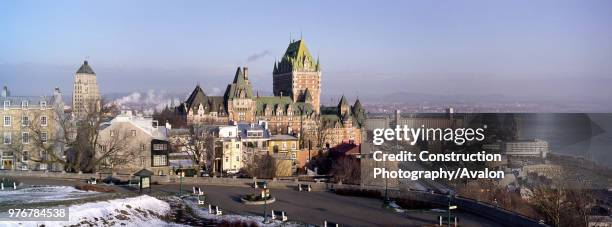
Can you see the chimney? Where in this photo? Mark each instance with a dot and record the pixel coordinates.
(246, 72)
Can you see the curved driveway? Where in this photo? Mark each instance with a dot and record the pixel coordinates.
(315, 207)
(307, 207)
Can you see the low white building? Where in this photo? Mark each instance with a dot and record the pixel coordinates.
(142, 142)
(231, 159)
(237, 144)
(520, 148)
(526, 148)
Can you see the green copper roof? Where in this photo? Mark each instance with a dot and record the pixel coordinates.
(283, 102)
(359, 114)
(297, 58)
(85, 68)
(343, 102)
(357, 105)
(240, 88)
(210, 103)
(307, 96)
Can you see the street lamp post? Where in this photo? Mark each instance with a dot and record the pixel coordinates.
(450, 207)
(265, 193)
(181, 175)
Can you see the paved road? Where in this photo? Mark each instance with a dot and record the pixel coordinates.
(315, 207)
(308, 207)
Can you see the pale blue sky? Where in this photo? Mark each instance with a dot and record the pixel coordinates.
(555, 49)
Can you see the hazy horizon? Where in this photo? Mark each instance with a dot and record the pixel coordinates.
(544, 50)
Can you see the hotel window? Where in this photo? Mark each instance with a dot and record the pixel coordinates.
(7, 120)
(142, 147)
(7, 104)
(43, 121)
(133, 132)
(159, 147)
(44, 137)
(237, 158)
(43, 155)
(25, 120)
(113, 133)
(43, 104)
(284, 145)
(293, 145)
(25, 137)
(226, 159)
(237, 145)
(24, 156)
(159, 160)
(7, 137)
(24, 104)
(142, 161)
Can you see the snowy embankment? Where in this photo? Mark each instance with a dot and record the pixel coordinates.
(249, 220)
(135, 211)
(38, 194)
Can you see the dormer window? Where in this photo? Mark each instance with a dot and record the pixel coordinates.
(43, 104)
(7, 104)
(24, 104)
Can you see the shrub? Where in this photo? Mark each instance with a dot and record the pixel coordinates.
(90, 187)
(358, 192)
(412, 204)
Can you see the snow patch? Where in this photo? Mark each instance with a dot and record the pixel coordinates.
(38, 194)
(202, 212)
(135, 211)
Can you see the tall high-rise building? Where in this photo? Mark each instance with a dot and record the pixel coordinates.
(298, 75)
(85, 96)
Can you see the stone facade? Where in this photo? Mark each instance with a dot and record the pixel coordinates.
(342, 123)
(28, 130)
(298, 75)
(85, 96)
(293, 110)
(139, 143)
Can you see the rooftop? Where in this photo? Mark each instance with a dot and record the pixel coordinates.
(283, 137)
(85, 69)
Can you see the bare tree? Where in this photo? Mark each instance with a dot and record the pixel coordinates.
(263, 166)
(71, 141)
(562, 205)
(347, 170)
(318, 133)
(549, 203)
(198, 143)
(170, 116)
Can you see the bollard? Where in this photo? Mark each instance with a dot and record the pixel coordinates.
(14, 185)
(2, 186)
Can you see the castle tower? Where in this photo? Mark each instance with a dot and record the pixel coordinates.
(85, 96)
(343, 107)
(298, 75)
(239, 97)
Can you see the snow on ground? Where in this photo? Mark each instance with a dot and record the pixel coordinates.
(396, 207)
(36, 194)
(135, 211)
(202, 212)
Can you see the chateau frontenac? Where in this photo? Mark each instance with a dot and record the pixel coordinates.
(294, 109)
